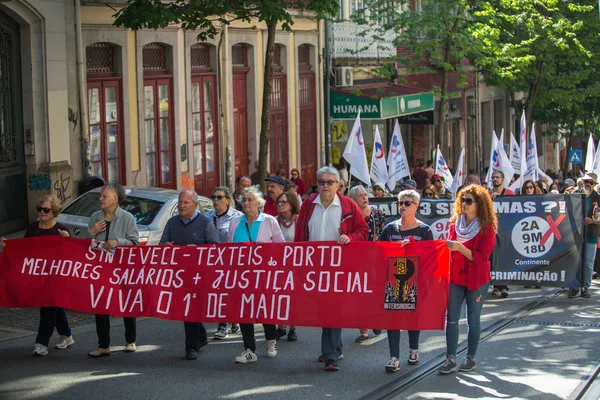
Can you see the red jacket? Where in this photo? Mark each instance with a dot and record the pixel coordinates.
(270, 207)
(476, 273)
(353, 224)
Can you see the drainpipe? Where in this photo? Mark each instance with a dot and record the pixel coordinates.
(82, 85)
(327, 99)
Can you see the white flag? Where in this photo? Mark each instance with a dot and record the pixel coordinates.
(532, 157)
(460, 173)
(523, 145)
(589, 157)
(515, 154)
(379, 172)
(397, 161)
(442, 169)
(500, 162)
(494, 144)
(356, 154)
(596, 166)
(542, 174)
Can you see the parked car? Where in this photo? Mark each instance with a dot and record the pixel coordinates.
(151, 207)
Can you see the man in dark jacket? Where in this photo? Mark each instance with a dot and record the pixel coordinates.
(592, 231)
(190, 228)
(329, 216)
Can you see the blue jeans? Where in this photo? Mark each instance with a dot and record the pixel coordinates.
(394, 341)
(331, 343)
(474, 299)
(589, 254)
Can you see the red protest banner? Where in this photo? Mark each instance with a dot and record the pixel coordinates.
(307, 284)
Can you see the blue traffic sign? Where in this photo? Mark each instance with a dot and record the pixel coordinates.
(575, 157)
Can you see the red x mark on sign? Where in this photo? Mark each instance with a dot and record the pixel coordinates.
(553, 229)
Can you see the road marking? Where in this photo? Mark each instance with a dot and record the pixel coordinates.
(374, 340)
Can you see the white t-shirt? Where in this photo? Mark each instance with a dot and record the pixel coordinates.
(324, 223)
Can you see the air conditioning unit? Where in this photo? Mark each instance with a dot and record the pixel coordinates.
(344, 76)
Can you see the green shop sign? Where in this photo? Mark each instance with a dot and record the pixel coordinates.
(346, 106)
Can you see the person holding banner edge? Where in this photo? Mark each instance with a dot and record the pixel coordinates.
(408, 228)
(113, 227)
(258, 227)
(498, 189)
(592, 231)
(471, 240)
(329, 216)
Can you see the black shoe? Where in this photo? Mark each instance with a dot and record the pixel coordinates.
(202, 344)
(585, 293)
(190, 354)
(504, 293)
(331, 365)
(377, 332)
(235, 328)
(280, 333)
(361, 339)
(292, 337)
(573, 293)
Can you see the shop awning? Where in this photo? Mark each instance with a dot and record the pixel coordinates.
(379, 101)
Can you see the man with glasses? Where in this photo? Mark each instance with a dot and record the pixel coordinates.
(330, 216)
(498, 188)
(275, 188)
(438, 182)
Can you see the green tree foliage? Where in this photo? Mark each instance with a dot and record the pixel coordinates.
(207, 17)
(436, 33)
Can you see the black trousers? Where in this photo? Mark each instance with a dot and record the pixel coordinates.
(195, 336)
(51, 317)
(248, 334)
(597, 262)
(103, 330)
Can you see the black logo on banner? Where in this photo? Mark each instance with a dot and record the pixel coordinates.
(401, 289)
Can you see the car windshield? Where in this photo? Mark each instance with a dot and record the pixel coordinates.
(144, 210)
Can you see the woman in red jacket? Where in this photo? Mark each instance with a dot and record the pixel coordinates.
(471, 240)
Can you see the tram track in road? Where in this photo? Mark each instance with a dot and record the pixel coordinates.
(430, 367)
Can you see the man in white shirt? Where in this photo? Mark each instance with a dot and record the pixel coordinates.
(329, 216)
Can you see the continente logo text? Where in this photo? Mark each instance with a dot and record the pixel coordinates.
(349, 109)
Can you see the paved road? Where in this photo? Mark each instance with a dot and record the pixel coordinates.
(543, 356)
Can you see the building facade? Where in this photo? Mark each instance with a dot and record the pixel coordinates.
(83, 98)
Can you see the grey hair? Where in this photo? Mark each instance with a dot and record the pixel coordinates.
(258, 196)
(353, 192)
(328, 170)
(193, 193)
(228, 194)
(413, 195)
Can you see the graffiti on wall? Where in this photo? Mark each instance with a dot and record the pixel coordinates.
(61, 186)
(39, 182)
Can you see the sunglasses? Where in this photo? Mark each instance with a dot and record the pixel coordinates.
(322, 182)
(407, 203)
(217, 197)
(468, 201)
(438, 180)
(282, 202)
(45, 210)
(529, 187)
(428, 194)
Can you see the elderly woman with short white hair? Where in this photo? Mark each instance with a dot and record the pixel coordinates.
(258, 227)
(375, 220)
(402, 230)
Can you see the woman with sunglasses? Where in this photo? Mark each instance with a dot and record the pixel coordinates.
(295, 178)
(50, 317)
(529, 188)
(401, 231)
(221, 215)
(288, 207)
(375, 220)
(113, 227)
(471, 240)
(429, 192)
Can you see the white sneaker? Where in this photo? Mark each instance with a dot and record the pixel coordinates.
(40, 350)
(271, 348)
(221, 334)
(65, 342)
(246, 357)
(393, 365)
(413, 357)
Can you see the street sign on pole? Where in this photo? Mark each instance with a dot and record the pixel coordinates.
(575, 156)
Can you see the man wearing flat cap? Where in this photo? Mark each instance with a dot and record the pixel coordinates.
(275, 187)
